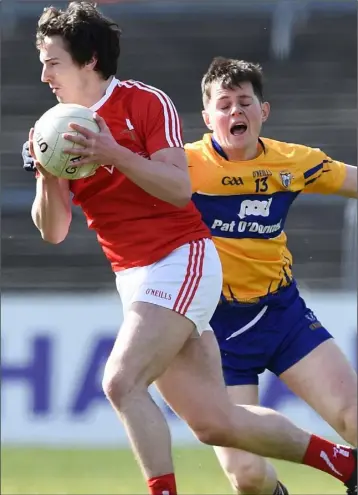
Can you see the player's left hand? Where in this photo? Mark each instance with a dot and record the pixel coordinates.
(93, 147)
(27, 158)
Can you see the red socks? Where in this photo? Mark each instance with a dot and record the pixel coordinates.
(163, 485)
(334, 459)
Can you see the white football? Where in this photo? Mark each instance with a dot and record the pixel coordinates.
(49, 142)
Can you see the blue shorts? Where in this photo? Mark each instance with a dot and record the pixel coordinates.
(271, 335)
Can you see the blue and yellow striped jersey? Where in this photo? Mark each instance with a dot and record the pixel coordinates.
(245, 204)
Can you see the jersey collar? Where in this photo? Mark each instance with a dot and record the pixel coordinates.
(113, 84)
(222, 153)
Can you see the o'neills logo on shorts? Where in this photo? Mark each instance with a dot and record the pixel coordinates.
(159, 293)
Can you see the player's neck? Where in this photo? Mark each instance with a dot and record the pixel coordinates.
(244, 154)
(95, 91)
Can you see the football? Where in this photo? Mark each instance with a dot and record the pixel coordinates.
(49, 142)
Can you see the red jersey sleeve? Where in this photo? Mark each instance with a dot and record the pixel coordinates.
(161, 126)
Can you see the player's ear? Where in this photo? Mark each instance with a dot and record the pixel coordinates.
(265, 110)
(206, 119)
(92, 63)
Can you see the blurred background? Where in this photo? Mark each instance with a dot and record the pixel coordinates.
(60, 312)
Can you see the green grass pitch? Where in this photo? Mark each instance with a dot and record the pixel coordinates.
(105, 472)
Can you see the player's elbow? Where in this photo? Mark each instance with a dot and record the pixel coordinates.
(181, 202)
(55, 233)
(53, 227)
(182, 196)
(51, 231)
(54, 237)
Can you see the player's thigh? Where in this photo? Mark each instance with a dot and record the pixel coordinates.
(193, 384)
(244, 394)
(149, 338)
(325, 380)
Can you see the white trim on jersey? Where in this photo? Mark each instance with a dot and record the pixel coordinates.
(113, 84)
(171, 117)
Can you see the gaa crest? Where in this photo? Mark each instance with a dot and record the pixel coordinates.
(286, 178)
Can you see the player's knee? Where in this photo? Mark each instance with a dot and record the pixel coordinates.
(249, 474)
(246, 472)
(211, 435)
(215, 429)
(347, 418)
(117, 385)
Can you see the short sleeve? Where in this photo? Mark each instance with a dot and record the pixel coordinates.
(324, 176)
(162, 127)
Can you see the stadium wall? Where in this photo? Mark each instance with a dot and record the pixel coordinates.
(53, 351)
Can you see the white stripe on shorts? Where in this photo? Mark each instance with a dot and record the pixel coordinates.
(249, 325)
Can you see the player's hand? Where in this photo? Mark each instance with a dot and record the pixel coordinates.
(94, 147)
(28, 160)
(30, 164)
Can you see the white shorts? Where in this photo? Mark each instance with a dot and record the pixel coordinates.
(187, 281)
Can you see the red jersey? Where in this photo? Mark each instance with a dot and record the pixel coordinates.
(133, 227)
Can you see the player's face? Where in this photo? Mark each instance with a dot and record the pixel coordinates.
(236, 116)
(67, 80)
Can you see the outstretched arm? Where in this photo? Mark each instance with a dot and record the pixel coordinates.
(349, 186)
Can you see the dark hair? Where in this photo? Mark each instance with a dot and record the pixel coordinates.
(231, 73)
(86, 32)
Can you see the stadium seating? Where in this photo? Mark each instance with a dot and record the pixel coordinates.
(313, 98)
